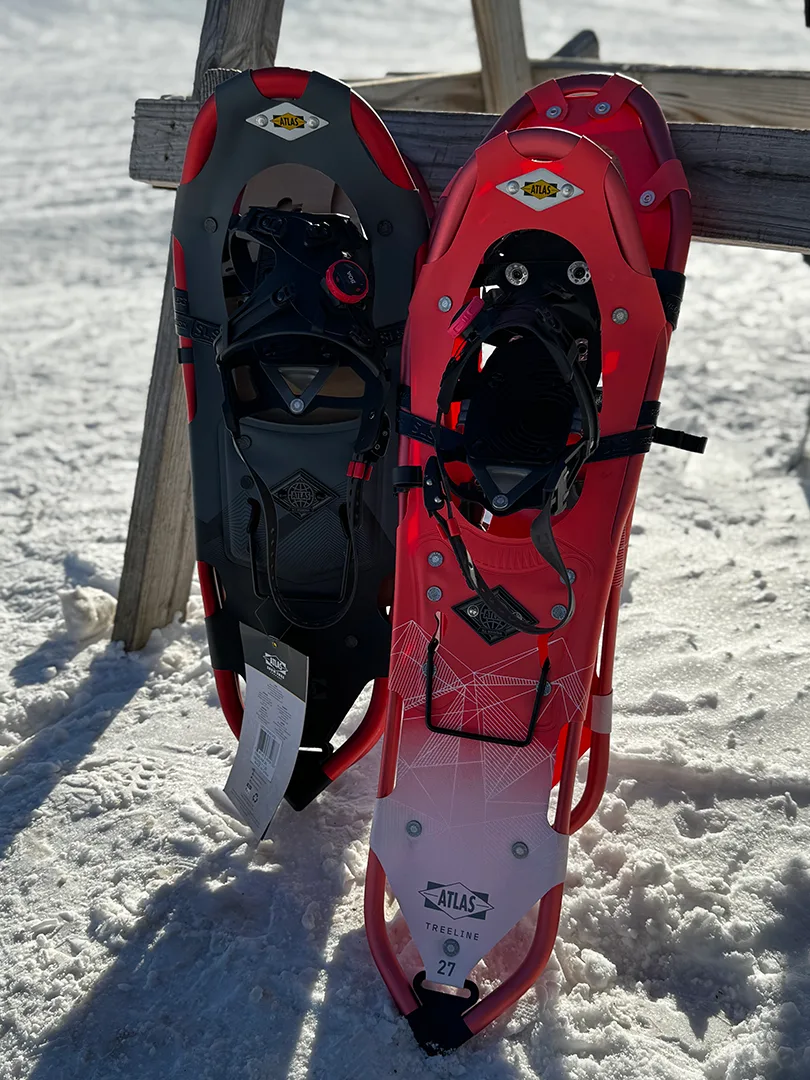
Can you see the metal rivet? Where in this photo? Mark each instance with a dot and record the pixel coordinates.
(578, 273)
(414, 827)
(262, 120)
(602, 108)
(445, 303)
(516, 274)
(520, 850)
(472, 612)
(620, 315)
(513, 187)
(451, 948)
(553, 111)
(313, 122)
(559, 611)
(351, 642)
(435, 558)
(210, 224)
(297, 405)
(572, 577)
(243, 442)
(567, 190)
(500, 502)
(547, 689)
(384, 227)
(246, 482)
(434, 593)
(647, 198)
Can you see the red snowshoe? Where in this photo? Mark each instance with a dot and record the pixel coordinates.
(534, 351)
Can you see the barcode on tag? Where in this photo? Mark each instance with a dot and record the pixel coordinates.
(267, 749)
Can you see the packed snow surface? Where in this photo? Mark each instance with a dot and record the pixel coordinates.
(144, 933)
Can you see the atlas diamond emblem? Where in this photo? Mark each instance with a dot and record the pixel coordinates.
(540, 189)
(301, 494)
(288, 121)
(487, 623)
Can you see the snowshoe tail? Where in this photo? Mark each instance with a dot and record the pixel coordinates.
(296, 239)
(535, 348)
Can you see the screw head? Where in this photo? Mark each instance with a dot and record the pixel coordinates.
(620, 315)
(313, 122)
(647, 198)
(567, 190)
(210, 225)
(244, 442)
(434, 593)
(500, 502)
(513, 187)
(520, 850)
(297, 406)
(435, 558)
(384, 227)
(262, 120)
(445, 303)
(572, 577)
(351, 642)
(547, 689)
(553, 111)
(472, 612)
(579, 273)
(559, 611)
(246, 482)
(414, 827)
(451, 948)
(602, 108)
(516, 274)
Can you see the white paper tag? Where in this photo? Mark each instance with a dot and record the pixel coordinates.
(275, 704)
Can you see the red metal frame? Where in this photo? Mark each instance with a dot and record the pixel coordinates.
(278, 84)
(635, 133)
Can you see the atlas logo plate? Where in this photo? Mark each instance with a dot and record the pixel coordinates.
(288, 121)
(456, 900)
(540, 189)
(301, 494)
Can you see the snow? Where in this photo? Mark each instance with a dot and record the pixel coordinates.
(143, 931)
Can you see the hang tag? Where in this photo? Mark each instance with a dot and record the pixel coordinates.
(275, 703)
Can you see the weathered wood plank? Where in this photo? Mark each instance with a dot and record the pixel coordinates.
(750, 186)
(505, 69)
(159, 554)
(686, 94)
(238, 34)
(159, 558)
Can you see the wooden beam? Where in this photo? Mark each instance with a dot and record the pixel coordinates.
(686, 94)
(750, 186)
(159, 557)
(159, 554)
(502, 46)
(238, 34)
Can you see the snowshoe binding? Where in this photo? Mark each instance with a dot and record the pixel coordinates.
(536, 347)
(296, 236)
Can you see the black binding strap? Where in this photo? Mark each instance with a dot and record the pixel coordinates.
(623, 444)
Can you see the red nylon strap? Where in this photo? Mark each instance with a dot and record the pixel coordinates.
(548, 95)
(668, 178)
(615, 92)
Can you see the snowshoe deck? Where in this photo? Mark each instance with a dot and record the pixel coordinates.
(296, 236)
(535, 347)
